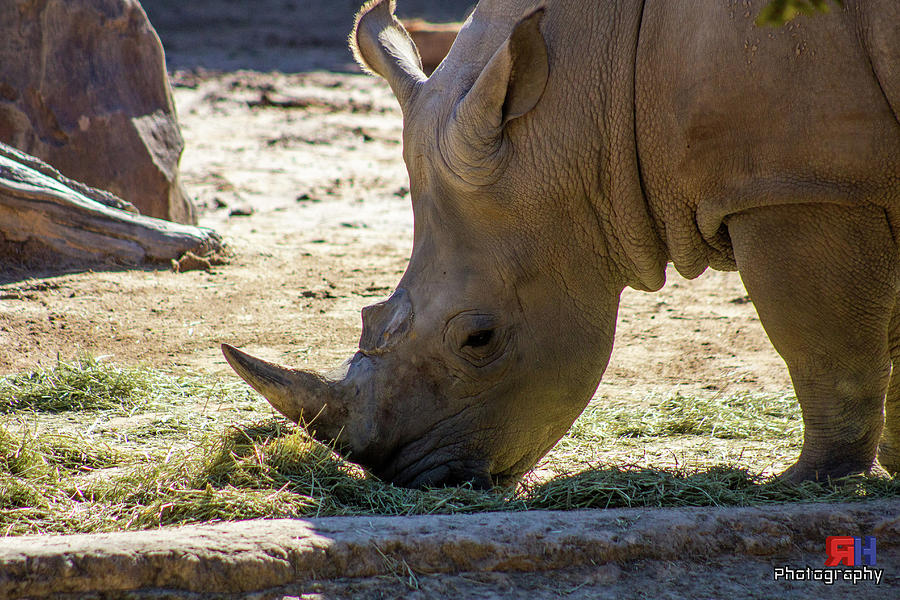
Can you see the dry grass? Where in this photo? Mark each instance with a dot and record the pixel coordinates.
(84, 385)
(742, 417)
(94, 447)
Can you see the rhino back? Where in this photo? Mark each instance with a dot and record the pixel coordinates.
(731, 116)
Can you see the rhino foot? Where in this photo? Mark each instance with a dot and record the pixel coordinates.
(801, 471)
(889, 456)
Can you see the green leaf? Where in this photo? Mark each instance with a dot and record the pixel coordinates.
(778, 12)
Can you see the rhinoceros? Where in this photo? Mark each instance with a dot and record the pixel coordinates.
(564, 151)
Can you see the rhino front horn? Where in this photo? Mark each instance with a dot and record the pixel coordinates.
(302, 396)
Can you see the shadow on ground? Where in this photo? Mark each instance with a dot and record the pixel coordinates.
(272, 35)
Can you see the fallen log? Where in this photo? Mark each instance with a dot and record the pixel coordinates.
(41, 207)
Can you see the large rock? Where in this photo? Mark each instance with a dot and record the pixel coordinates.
(83, 86)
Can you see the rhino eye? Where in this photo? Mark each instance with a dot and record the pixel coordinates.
(476, 337)
(479, 338)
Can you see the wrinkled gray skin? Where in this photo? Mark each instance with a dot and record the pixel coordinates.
(559, 155)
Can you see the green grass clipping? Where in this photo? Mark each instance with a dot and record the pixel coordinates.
(91, 446)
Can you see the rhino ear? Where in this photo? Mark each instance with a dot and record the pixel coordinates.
(508, 87)
(382, 46)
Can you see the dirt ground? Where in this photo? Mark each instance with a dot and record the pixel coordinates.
(745, 578)
(294, 157)
(301, 172)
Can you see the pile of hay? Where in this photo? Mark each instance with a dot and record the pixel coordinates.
(90, 447)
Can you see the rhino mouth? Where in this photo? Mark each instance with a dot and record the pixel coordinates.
(438, 457)
(417, 466)
(445, 473)
(434, 472)
(433, 462)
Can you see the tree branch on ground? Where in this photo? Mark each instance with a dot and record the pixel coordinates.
(40, 206)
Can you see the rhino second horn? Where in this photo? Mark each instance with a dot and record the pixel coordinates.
(298, 395)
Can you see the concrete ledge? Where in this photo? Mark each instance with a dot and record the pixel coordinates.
(262, 554)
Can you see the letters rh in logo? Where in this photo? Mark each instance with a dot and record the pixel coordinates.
(850, 550)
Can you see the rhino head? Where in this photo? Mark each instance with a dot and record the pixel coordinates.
(501, 327)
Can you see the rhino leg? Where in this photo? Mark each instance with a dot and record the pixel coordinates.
(823, 279)
(889, 446)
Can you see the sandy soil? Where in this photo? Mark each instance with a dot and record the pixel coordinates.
(302, 175)
(329, 231)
